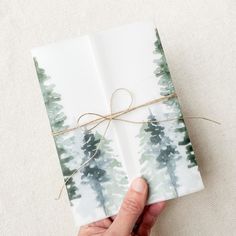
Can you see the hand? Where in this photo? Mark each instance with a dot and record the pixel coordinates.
(133, 218)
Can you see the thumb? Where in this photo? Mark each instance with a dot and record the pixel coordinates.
(131, 208)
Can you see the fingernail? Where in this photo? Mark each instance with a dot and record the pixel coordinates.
(138, 185)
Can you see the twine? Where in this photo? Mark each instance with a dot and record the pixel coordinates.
(115, 116)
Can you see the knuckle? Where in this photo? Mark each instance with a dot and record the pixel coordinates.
(131, 206)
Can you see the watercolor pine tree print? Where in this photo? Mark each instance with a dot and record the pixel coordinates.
(188, 146)
(164, 80)
(57, 120)
(158, 159)
(167, 153)
(103, 173)
(159, 141)
(118, 184)
(93, 174)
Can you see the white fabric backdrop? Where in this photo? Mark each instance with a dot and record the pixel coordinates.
(199, 38)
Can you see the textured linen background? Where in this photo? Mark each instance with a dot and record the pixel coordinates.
(199, 38)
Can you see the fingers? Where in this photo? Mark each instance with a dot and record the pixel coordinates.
(98, 227)
(102, 223)
(149, 218)
(131, 208)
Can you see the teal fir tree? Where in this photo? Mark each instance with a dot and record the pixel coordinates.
(188, 146)
(164, 149)
(93, 174)
(163, 74)
(157, 177)
(117, 185)
(103, 173)
(164, 80)
(57, 120)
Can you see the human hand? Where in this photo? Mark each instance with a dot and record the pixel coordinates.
(134, 218)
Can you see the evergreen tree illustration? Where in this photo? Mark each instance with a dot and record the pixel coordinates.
(116, 187)
(159, 181)
(103, 173)
(57, 120)
(93, 174)
(163, 74)
(166, 153)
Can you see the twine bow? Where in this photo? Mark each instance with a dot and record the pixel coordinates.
(116, 116)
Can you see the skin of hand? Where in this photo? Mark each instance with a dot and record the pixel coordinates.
(134, 218)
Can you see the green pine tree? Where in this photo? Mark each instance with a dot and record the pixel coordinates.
(57, 120)
(103, 173)
(158, 180)
(189, 148)
(93, 174)
(164, 80)
(117, 185)
(165, 152)
(163, 74)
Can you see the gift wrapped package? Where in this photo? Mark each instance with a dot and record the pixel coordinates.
(114, 116)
